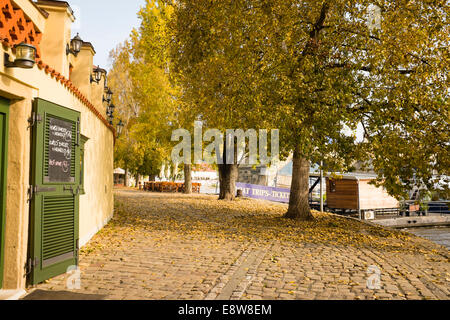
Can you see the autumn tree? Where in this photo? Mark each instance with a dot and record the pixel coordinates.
(151, 51)
(212, 69)
(313, 68)
(144, 95)
(120, 81)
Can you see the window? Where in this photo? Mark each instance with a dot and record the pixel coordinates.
(332, 186)
(82, 162)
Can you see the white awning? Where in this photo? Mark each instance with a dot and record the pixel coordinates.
(119, 171)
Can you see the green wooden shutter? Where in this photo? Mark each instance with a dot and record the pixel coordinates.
(4, 113)
(54, 197)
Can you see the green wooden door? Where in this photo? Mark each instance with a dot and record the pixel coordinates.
(54, 191)
(4, 112)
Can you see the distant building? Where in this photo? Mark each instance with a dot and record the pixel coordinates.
(204, 172)
(353, 192)
(119, 178)
(274, 176)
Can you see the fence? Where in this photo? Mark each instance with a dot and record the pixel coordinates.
(264, 193)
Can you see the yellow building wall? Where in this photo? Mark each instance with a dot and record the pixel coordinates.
(96, 205)
(17, 208)
(53, 43)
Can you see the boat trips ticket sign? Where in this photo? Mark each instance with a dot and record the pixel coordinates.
(60, 151)
(264, 193)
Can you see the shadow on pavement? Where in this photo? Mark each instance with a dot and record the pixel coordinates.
(61, 295)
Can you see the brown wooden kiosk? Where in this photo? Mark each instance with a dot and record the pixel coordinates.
(352, 193)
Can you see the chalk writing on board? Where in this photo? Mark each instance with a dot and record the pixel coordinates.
(59, 150)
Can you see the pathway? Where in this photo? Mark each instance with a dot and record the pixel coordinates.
(171, 246)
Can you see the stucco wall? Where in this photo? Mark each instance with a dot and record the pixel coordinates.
(16, 226)
(96, 206)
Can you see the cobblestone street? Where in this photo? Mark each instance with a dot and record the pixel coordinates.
(171, 246)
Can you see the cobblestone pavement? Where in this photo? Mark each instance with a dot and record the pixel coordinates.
(168, 246)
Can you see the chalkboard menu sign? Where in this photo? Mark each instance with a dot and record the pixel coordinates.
(60, 151)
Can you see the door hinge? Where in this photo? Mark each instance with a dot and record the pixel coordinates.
(78, 133)
(31, 191)
(34, 119)
(31, 264)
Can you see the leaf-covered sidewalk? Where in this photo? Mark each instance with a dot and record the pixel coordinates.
(171, 246)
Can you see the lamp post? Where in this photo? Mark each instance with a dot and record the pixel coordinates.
(25, 57)
(97, 75)
(75, 45)
(321, 187)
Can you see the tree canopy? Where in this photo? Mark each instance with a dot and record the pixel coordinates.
(313, 68)
(144, 95)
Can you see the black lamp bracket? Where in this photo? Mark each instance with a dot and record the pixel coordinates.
(70, 51)
(93, 80)
(8, 63)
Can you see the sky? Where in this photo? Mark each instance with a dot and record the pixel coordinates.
(105, 24)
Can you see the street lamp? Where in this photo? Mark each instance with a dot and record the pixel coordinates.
(110, 109)
(110, 118)
(108, 94)
(75, 45)
(97, 75)
(120, 126)
(25, 57)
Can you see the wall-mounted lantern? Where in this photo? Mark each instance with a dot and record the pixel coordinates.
(97, 75)
(108, 96)
(75, 46)
(25, 57)
(110, 109)
(120, 127)
(110, 118)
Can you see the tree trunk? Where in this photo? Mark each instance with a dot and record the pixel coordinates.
(187, 179)
(299, 202)
(228, 174)
(125, 180)
(137, 177)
